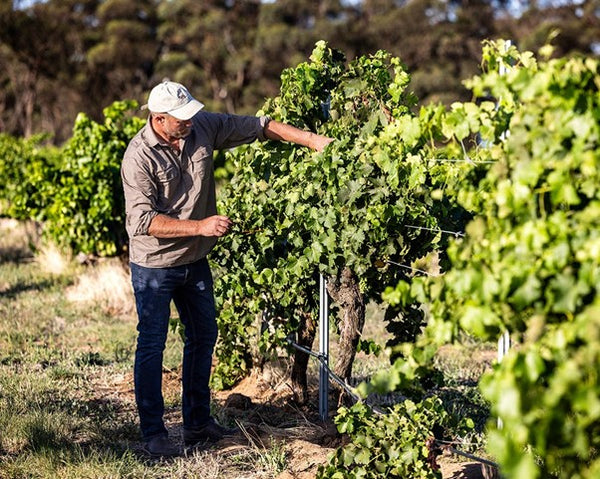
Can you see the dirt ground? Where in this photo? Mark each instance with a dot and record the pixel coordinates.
(264, 410)
(308, 445)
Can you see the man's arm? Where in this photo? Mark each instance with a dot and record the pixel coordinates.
(276, 130)
(163, 226)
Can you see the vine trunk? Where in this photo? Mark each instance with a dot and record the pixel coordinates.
(306, 336)
(346, 293)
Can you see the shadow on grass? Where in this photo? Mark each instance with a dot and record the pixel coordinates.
(22, 287)
(99, 429)
(42, 437)
(15, 255)
(471, 471)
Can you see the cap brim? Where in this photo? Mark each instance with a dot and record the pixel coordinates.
(187, 111)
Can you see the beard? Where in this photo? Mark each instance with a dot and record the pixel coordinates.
(179, 132)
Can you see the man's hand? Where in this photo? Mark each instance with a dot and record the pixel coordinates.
(163, 226)
(217, 225)
(320, 142)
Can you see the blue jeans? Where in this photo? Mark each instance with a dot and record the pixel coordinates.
(191, 289)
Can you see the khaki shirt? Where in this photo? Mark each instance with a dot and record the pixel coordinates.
(158, 180)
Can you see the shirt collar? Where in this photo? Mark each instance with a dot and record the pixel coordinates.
(150, 136)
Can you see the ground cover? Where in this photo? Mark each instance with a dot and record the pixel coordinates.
(67, 336)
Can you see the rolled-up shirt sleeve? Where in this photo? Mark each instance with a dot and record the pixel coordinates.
(140, 196)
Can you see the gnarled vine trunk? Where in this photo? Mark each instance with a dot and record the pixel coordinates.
(346, 293)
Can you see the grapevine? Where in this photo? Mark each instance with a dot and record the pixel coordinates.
(514, 174)
(340, 213)
(529, 264)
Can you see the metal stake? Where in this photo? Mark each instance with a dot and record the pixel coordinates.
(323, 349)
(503, 345)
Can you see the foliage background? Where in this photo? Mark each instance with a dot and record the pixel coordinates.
(62, 57)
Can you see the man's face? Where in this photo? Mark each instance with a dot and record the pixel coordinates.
(173, 128)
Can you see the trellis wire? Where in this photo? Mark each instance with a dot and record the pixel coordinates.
(459, 443)
(411, 268)
(459, 160)
(437, 230)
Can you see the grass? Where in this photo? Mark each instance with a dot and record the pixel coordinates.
(461, 366)
(265, 461)
(67, 340)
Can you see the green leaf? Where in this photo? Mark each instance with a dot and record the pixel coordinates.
(363, 456)
(527, 293)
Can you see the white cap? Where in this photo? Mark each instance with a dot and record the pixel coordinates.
(173, 98)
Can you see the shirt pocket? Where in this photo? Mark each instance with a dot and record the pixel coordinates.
(168, 185)
(166, 175)
(202, 162)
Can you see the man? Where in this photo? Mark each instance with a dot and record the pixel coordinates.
(172, 223)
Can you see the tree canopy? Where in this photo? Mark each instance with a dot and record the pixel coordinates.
(61, 57)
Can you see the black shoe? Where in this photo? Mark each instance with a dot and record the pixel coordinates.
(161, 446)
(211, 432)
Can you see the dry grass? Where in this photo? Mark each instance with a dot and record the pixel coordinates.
(16, 239)
(200, 465)
(107, 284)
(51, 260)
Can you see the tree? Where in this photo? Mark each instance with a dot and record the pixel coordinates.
(61, 57)
(42, 50)
(572, 27)
(121, 61)
(209, 47)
